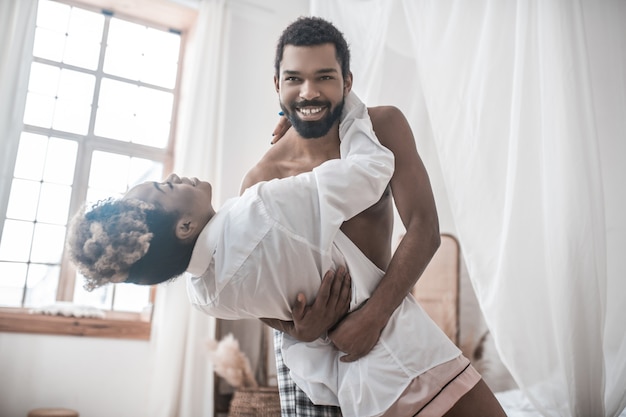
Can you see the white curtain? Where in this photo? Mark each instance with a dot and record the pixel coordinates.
(182, 382)
(527, 105)
(17, 34)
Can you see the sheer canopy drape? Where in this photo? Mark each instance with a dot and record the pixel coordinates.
(527, 105)
(17, 20)
(182, 382)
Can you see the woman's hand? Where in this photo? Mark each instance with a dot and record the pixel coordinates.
(281, 128)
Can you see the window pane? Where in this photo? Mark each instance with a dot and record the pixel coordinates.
(82, 53)
(124, 49)
(76, 87)
(165, 45)
(74, 97)
(23, 200)
(12, 279)
(54, 203)
(116, 109)
(142, 54)
(16, 240)
(60, 161)
(49, 44)
(71, 117)
(53, 15)
(41, 98)
(154, 104)
(68, 34)
(131, 113)
(31, 155)
(103, 177)
(86, 25)
(52, 21)
(100, 297)
(129, 172)
(83, 40)
(142, 170)
(48, 242)
(41, 285)
(131, 297)
(39, 110)
(160, 58)
(44, 79)
(151, 132)
(114, 124)
(154, 110)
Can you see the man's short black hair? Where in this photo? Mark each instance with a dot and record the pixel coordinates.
(313, 31)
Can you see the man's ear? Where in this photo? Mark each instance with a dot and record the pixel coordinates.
(276, 84)
(347, 84)
(186, 228)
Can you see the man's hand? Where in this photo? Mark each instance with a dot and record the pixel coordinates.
(356, 335)
(330, 305)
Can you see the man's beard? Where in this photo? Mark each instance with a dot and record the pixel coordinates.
(312, 129)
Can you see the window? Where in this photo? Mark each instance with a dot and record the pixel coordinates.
(98, 119)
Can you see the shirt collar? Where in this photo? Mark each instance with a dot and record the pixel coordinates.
(208, 239)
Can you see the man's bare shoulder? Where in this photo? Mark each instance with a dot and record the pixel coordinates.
(276, 163)
(266, 169)
(391, 127)
(385, 116)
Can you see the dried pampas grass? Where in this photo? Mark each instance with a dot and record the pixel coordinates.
(231, 363)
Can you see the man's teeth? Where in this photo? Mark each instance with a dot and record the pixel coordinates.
(309, 111)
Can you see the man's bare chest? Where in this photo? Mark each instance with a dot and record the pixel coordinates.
(371, 231)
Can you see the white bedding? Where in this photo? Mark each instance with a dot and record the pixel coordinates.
(516, 404)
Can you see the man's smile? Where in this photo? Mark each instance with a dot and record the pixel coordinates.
(311, 113)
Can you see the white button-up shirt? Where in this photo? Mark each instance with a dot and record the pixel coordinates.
(279, 238)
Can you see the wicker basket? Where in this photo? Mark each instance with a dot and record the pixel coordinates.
(257, 402)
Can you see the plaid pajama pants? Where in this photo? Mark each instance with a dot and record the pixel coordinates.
(293, 401)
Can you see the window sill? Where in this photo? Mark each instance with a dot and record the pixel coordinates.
(116, 325)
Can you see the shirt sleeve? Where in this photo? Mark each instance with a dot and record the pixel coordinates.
(313, 205)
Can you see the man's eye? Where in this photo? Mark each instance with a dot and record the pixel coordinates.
(291, 79)
(326, 78)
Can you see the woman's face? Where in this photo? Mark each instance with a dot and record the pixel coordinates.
(189, 197)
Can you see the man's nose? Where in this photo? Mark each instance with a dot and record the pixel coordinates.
(309, 90)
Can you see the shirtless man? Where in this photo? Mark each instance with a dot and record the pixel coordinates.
(312, 78)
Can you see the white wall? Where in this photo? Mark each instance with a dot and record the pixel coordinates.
(98, 377)
(252, 100)
(110, 377)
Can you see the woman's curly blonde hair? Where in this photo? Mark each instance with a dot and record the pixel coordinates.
(107, 240)
(131, 241)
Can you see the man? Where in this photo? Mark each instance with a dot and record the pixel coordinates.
(312, 77)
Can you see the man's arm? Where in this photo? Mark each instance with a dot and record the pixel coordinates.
(359, 331)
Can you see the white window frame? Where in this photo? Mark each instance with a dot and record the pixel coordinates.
(160, 14)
